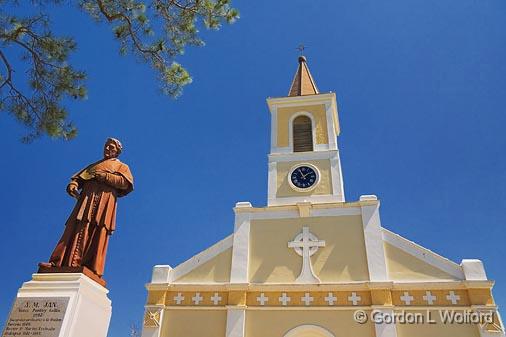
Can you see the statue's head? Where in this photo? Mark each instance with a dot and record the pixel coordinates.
(112, 148)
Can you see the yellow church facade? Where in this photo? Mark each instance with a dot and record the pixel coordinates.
(311, 264)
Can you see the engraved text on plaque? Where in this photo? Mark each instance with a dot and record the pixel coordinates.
(36, 316)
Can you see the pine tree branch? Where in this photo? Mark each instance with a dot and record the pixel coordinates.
(52, 79)
(48, 75)
(8, 67)
(133, 35)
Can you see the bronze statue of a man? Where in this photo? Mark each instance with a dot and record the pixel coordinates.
(87, 230)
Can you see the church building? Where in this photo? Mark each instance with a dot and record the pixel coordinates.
(310, 263)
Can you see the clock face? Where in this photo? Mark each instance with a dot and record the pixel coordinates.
(303, 177)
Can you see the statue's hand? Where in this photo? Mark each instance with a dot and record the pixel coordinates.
(72, 190)
(99, 175)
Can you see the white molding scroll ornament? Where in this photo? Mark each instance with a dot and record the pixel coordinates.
(306, 244)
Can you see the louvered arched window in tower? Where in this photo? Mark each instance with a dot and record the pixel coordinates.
(302, 134)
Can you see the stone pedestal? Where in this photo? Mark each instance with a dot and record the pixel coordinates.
(60, 305)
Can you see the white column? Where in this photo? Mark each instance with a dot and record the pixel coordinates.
(337, 176)
(236, 318)
(274, 129)
(240, 247)
(272, 182)
(88, 309)
(385, 330)
(474, 270)
(374, 248)
(161, 274)
(153, 314)
(329, 113)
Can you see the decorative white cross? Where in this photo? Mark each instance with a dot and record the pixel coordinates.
(429, 298)
(262, 299)
(330, 299)
(179, 298)
(197, 298)
(452, 297)
(284, 299)
(305, 245)
(407, 298)
(216, 299)
(307, 299)
(354, 298)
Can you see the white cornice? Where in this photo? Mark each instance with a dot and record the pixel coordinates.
(338, 286)
(423, 254)
(298, 156)
(328, 99)
(300, 100)
(201, 258)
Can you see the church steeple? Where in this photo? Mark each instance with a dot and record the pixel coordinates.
(304, 164)
(303, 83)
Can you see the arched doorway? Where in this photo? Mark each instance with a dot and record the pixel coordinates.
(308, 331)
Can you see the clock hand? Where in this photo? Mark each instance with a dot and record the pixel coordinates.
(302, 174)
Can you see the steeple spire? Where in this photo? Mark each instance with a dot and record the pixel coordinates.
(303, 83)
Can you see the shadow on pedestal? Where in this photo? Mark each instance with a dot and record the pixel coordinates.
(82, 270)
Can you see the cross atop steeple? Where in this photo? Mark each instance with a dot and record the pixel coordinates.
(301, 49)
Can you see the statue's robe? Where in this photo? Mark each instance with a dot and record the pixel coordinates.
(87, 230)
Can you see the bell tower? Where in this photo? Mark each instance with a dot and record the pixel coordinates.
(304, 164)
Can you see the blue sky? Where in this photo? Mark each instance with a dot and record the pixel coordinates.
(421, 86)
